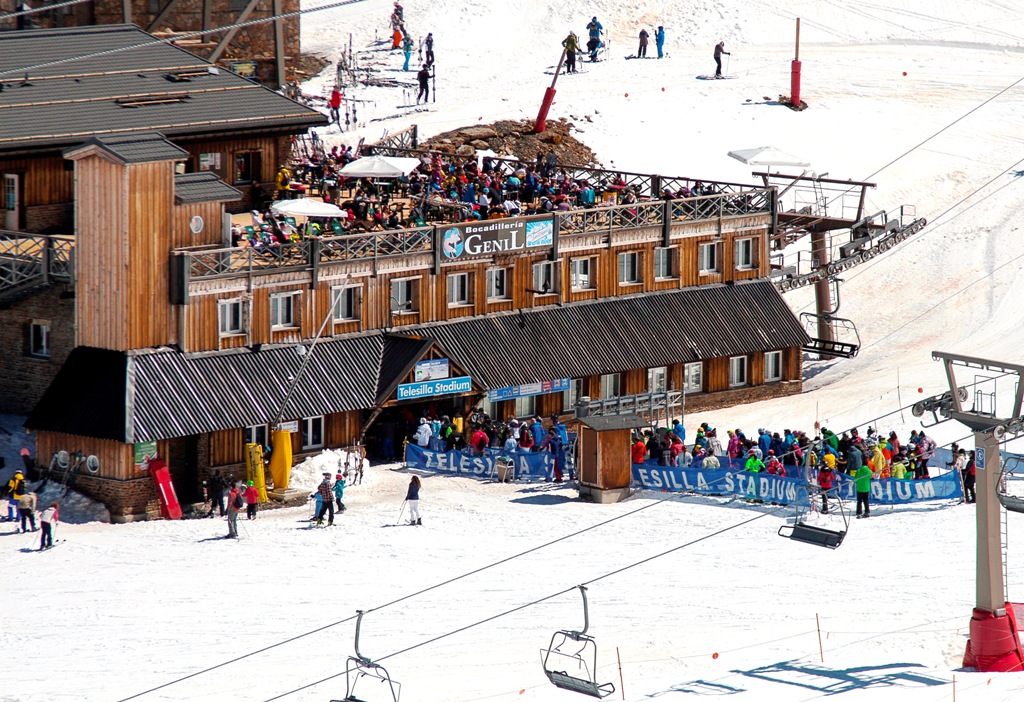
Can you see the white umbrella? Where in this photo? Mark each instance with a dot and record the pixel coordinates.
(767, 156)
(305, 207)
(380, 167)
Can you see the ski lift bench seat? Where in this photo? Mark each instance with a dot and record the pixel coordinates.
(604, 468)
(814, 535)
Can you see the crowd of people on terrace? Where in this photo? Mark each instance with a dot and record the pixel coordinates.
(442, 188)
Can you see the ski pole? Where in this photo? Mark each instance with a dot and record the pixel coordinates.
(728, 57)
(401, 513)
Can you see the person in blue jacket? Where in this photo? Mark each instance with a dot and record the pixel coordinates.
(594, 28)
(412, 496)
(659, 39)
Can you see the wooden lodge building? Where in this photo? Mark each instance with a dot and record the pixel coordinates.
(173, 341)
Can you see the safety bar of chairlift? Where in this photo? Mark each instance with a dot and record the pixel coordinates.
(359, 620)
(577, 635)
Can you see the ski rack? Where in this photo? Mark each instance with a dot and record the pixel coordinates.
(359, 666)
(835, 268)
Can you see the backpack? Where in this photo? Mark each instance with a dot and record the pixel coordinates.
(238, 503)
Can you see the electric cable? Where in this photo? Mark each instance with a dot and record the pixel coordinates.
(41, 8)
(539, 600)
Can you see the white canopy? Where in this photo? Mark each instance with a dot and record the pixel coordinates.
(305, 207)
(380, 167)
(767, 156)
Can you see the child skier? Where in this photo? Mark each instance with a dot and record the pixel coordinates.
(252, 498)
(339, 490)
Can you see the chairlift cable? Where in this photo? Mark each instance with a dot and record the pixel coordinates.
(41, 8)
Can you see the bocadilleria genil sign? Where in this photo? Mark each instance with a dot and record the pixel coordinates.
(496, 236)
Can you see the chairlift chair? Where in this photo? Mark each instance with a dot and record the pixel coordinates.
(359, 666)
(813, 534)
(575, 648)
(1011, 501)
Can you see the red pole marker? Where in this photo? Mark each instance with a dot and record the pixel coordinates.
(714, 656)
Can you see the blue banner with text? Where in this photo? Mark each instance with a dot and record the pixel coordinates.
(527, 466)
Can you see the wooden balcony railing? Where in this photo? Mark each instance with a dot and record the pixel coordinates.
(27, 260)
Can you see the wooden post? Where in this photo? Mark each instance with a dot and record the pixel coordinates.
(821, 649)
(126, 11)
(622, 684)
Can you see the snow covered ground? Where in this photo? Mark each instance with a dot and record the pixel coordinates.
(117, 610)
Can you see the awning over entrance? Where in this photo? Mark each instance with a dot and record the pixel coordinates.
(163, 393)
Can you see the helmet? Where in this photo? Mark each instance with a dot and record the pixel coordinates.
(771, 452)
(250, 483)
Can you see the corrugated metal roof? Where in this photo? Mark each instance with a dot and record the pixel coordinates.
(611, 336)
(134, 148)
(168, 394)
(202, 186)
(67, 103)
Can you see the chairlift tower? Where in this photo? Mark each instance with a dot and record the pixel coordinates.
(994, 644)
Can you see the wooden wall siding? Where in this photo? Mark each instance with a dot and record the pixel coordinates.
(116, 459)
(150, 222)
(716, 372)
(101, 254)
(379, 301)
(45, 181)
(227, 447)
(792, 363)
(549, 404)
(634, 382)
(182, 236)
(439, 291)
(591, 387)
(342, 428)
(755, 368)
(675, 376)
(229, 147)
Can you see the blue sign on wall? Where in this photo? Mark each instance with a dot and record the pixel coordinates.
(432, 388)
(528, 390)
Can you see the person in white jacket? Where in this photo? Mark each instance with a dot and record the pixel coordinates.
(48, 520)
(423, 433)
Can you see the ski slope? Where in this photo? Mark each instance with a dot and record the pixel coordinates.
(115, 611)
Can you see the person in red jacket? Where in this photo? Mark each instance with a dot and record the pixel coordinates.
(639, 450)
(479, 441)
(335, 103)
(252, 499)
(826, 479)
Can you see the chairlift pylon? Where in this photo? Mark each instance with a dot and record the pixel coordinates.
(582, 678)
(813, 534)
(359, 666)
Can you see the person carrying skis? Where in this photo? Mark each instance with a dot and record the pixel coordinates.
(412, 496)
(27, 510)
(423, 77)
(235, 505)
(719, 50)
(327, 501)
(571, 44)
(252, 499)
(659, 39)
(48, 520)
(641, 51)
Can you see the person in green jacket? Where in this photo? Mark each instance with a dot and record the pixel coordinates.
(753, 464)
(571, 43)
(862, 481)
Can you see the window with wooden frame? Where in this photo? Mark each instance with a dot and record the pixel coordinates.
(772, 366)
(284, 313)
(39, 339)
(312, 430)
(405, 295)
(693, 377)
(256, 434)
(231, 317)
(580, 273)
(664, 263)
(248, 165)
(610, 385)
(630, 272)
(657, 379)
(460, 289)
(497, 284)
(737, 371)
(545, 278)
(744, 254)
(345, 303)
(707, 257)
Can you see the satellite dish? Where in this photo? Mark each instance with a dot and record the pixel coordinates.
(63, 459)
(918, 409)
(92, 464)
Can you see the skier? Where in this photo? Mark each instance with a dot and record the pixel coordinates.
(429, 43)
(594, 29)
(412, 496)
(862, 481)
(216, 488)
(48, 519)
(407, 44)
(554, 447)
(252, 498)
(327, 501)
(719, 50)
(641, 52)
(571, 44)
(335, 101)
(235, 504)
(27, 510)
(15, 489)
(659, 39)
(826, 478)
(970, 477)
(339, 491)
(423, 77)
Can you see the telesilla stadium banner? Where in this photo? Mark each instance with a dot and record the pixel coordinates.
(528, 466)
(772, 488)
